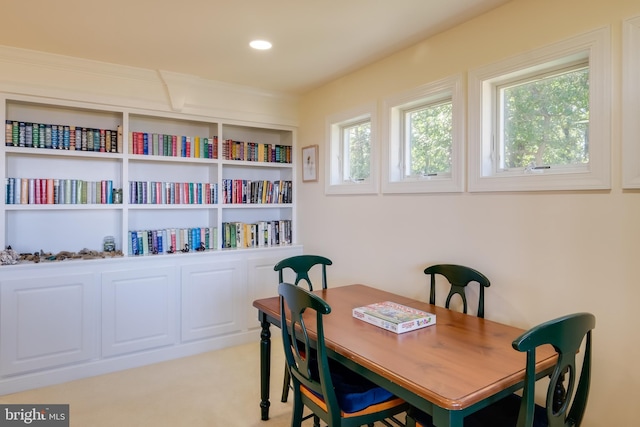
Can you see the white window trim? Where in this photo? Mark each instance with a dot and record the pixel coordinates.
(596, 45)
(392, 179)
(333, 176)
(631, 103)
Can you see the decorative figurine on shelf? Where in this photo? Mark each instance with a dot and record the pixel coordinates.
(8, 256)
(186, 248)
(109, 244)
(171, 250)
(201, 248)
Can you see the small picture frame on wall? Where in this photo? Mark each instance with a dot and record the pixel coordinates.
(310, 163)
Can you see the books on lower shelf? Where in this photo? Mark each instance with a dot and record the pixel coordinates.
(257, 235)
(172, 240)
(394, 317)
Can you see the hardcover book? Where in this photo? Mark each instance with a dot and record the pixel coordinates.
(394, 317)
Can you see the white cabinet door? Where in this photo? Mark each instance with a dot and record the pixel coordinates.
(212, 297)
(138, 309)
(262, 280)
(47, 321)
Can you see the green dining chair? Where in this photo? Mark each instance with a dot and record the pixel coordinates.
(333, 393)
(566, 398)
(459, 278)
(301, 265)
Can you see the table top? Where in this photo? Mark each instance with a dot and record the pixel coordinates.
(459, 361)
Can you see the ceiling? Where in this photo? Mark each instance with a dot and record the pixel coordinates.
(313, 41)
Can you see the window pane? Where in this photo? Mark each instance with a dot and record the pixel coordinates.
(429, 140)
(546, 121)
(357, 151)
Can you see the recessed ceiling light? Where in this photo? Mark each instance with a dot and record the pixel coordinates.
(260, 44)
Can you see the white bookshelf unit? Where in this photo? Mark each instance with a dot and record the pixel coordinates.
(63, 320)
(28, 225)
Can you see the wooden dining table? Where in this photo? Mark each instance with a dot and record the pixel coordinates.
(449, 370)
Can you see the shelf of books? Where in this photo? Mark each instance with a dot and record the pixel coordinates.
(79, 174)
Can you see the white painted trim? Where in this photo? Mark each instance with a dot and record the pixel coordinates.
(333, 177)
(34, 73)
(449, 87)
(631, 103)
(598, 175)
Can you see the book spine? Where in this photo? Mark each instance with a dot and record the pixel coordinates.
(9, 186)
(173, 239)
(8, 133)
(96, 139)
(107, 140)
(134, 243)
(119, 139)
(160, 241)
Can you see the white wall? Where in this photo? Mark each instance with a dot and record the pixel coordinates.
(546, 254)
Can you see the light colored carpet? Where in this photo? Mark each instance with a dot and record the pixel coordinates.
(216, 389)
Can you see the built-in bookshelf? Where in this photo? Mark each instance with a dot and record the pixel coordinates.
(76, 173)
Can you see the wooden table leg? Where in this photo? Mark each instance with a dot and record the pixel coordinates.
(265, 367)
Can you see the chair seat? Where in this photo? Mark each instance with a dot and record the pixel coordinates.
(369, 409)
(503, 413)
(356, 395)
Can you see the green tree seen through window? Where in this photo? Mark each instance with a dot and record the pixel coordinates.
(546, 121)
(429, 131)
(357, 148)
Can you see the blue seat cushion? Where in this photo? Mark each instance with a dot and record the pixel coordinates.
(353, 391)
(503, 413)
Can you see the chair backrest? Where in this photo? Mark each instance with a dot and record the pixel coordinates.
(459, 277)
(565, 406)
(301, 264)
(312, 372)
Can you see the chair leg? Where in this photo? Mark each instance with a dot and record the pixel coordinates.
(296, 418)
(285, 385)
(410, 421)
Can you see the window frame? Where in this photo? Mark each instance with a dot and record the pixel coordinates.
(334, 176)
(592, 47)
(630, 103)
(394, 159)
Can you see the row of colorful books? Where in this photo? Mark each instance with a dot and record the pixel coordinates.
(172, 240)
(161, 193)
(156, 144)
(247, 191)
(255, 152)
(58, 191)
(256, 235)
(62, 137)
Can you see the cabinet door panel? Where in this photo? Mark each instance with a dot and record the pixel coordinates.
(212, 297)
(138, 310)
(262, 280)
(46, 322)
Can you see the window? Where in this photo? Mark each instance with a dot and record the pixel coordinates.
(544, 122)
(356, 146)
(424, 152)
(540, 121)
(426, 140)
(351, 168)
